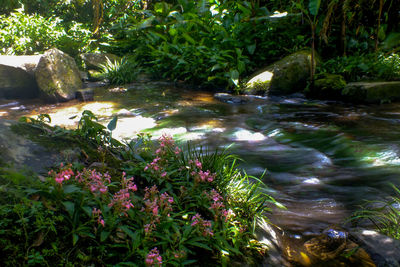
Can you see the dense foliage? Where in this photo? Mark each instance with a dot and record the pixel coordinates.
(156, 205)
(210, 43)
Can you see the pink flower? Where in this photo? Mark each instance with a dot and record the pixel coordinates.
(97, 214)
(153, 258)
(204, 226)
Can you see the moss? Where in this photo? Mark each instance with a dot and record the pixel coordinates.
(327, 86)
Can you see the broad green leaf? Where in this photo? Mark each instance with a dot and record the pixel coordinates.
(112, 124)
(313, 7)
(71, 189)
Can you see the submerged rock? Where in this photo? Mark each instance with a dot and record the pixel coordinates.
(285, 76)
(94, 61)
(57, 76)
(372, 92)
(17, 83)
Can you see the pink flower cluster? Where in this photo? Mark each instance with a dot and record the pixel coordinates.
(200, 175)
(64, 174)
(204, 226)
(154, 258)
(121, 200)
(154, 204)
(217, 205)
(97, 215)
(94, 181)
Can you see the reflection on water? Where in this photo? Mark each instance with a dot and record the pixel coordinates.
(323, 158)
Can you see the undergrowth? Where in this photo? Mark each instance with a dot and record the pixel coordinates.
(153, 204)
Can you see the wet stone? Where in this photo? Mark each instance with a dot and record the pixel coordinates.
(233, 99)
(85, 94)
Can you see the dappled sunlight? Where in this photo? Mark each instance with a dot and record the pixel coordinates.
(129, 127)
(388, 157)
(278, 14)
(312, 180)
(246, 135)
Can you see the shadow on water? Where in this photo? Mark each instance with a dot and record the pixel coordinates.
(323, 158)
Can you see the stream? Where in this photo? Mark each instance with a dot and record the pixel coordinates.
(322, 159)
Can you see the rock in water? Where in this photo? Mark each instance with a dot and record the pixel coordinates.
(85, 94)
(57, 76)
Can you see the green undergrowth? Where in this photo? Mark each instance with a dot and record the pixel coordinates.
(140, 203)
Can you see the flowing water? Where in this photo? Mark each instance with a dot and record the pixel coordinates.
(322, 158)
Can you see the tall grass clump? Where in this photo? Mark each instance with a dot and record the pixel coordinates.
(385, 215)
(120, 71)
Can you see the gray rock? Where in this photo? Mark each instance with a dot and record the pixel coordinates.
(96, 60)
(57, 76)
(232, 99)
(383, 250)
(372, 92)
(285, 76)
(17, 83)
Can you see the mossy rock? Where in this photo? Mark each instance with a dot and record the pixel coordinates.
(327, 86)
(57, 76)
(372, 92)
(285, 76)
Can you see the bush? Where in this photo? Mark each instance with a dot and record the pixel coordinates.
(364, 67)
(121, 72)
(180, 208)
(23, 34)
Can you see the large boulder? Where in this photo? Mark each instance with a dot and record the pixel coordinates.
(372, 92)
(17, 83)
(95, 61)
(57, 76)
(285, 76)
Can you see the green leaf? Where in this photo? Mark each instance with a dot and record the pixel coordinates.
(70, 207)
(313, 7)
(128, 231)
(251, 48)
(188, 38)
(104, 235)
(112, 124)
(75, 239)
(71, 189)
(234, 75)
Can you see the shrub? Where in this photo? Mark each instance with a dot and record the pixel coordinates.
(361, 67)
(23, 34)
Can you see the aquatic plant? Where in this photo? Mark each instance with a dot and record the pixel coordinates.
(385, 215)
